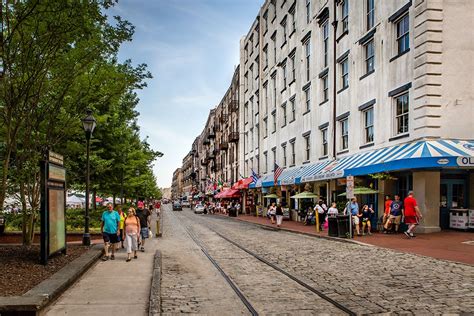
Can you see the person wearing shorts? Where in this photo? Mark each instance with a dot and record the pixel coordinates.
(411, 214)
(109, 227)
(354, 209)
(396, 209)
(144, 215)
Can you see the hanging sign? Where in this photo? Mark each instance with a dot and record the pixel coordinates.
(350, 187)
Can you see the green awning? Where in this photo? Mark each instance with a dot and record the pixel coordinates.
(271, 196)
(361, 191)
(305, 195)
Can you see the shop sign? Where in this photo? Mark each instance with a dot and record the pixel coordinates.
(350, 187)
(288, 181)
(465, 161)
(324, 176)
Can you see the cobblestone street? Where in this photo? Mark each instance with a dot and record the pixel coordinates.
(364, 279)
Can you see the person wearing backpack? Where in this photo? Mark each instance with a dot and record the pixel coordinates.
(132, 233)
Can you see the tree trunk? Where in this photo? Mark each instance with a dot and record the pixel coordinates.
(113, 196)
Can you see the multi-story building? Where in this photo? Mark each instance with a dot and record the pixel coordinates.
(187, 169)
(177, 184)
(227, 135)
(333, 88)
(208, 152)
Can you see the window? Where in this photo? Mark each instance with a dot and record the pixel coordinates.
(251, 145)
(307, 47)
(325, 87)
(403, 39)
(370, 14)
(283, 151)
(401, 114)
(307, 96)
(293, 153)
(283, 108)
(283, 67)
(369, 56)
(369, 125)
(324, 136)
(344, 133)
(326, 42)
(274, 155)
(265, 160)
(293, 20)
(308, 11)
(265, 126)
(257, 133)
(274, 91)
(345, 16)
(345, 73)
(246, 113)
(265, 98)
(293, 67)
(265, 55)
(274, 122)
(307, 141)
(246, 80)
(284, 31)
(251, 76)
(293, 109)
(274, 40)
(257, 66)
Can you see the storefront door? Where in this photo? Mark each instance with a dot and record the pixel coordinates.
(452, 195)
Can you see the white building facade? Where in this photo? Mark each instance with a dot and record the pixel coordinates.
(335, 88)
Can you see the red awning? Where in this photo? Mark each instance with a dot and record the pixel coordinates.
(242, 184)
(228, 194)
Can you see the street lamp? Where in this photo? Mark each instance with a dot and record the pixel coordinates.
(89, 124)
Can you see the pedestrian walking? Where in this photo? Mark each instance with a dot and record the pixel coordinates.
(386, 213)
(132, 233)
(353, 208)
(145, 223)
(366, 215)
(279, 214)
(122, 219)
(411, 214)
(109, 227)
(272, 212)
(396, 210)
(318, 209)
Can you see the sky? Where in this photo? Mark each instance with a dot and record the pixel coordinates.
(191, 48)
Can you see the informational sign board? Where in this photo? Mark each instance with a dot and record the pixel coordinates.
(53, 206)
(350, 187)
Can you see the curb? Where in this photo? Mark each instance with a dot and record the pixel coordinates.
(155, 290)
(33, 301)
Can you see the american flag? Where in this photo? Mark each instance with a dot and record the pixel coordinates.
(254, 176)
(276, 173)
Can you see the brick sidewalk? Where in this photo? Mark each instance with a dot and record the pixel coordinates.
(447, 245)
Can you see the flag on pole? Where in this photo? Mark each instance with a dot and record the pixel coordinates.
(276, 173)
(254, 176)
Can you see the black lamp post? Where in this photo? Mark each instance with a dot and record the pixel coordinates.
(89, 124)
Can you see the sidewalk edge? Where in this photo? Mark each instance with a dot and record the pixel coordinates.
(155, 290)
(47, 291)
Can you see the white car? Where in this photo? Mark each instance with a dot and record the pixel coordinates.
(199, 209)
(185, 204)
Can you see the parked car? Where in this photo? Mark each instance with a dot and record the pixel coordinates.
(199, 209)
(177, 206)
(186, 204)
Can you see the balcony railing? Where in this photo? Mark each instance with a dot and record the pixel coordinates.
(234, 106)
(206, 141)
(204, 162)
(224, 118)
(234, 137)
(223, 146)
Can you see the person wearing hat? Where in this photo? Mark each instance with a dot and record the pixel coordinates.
(144, 216)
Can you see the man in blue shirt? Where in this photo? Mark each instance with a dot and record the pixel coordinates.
(354, 208)
(109, 227)
(396, 209)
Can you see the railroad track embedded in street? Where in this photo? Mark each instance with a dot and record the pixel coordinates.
(239, 293)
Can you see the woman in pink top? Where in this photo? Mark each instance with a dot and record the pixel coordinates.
(132, 233)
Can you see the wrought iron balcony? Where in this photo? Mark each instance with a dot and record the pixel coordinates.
(223, 146)
(234, 106)
(234, 137)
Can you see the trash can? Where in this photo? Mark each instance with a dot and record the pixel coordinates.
(332, 226)
(2, 224)
(343, 226)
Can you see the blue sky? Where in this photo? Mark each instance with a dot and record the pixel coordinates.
(192, 48)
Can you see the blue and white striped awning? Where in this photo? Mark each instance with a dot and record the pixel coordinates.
(416, 155)
(289, 175)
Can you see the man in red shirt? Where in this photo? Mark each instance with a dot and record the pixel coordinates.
(386, 214)
(411, 213)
